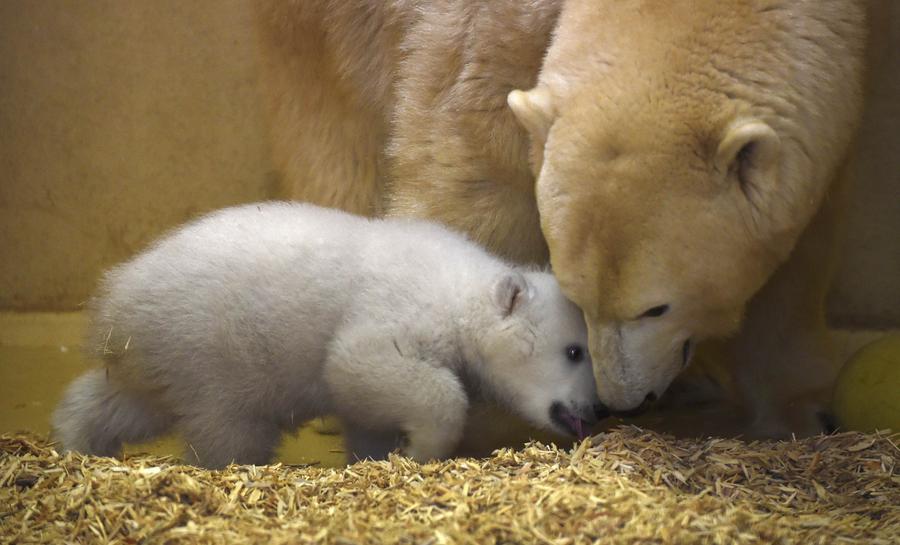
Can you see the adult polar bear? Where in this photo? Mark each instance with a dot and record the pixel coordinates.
(673, 166)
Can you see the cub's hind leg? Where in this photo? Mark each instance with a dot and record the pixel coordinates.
(98, 414)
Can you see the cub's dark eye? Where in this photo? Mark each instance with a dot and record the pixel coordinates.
(574, 353)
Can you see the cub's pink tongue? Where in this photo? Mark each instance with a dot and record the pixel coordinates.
(578, 424)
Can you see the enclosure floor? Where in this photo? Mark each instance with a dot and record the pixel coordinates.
(626, 487)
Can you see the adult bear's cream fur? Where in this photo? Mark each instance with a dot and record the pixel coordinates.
(682, 153)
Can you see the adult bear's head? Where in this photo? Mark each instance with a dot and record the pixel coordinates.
(680, 149)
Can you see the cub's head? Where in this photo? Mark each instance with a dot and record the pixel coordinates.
(679, 154)
(534, 353)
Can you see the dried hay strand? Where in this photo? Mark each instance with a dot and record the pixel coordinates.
(629, 486)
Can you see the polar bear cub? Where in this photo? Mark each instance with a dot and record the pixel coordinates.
(254, 319)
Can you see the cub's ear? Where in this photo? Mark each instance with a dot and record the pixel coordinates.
(509, 292)
(750, 149)
(534, 109)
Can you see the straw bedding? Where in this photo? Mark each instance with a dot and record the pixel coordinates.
(629, 486)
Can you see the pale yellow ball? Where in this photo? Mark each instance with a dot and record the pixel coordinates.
(867, 393)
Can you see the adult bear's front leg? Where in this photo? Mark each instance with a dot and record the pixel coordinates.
(783, 362)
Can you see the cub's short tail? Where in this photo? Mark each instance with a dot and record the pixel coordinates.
(96, 416)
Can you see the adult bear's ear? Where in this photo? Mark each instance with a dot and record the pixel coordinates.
(534, 109)
(509, 292)
(749, 152)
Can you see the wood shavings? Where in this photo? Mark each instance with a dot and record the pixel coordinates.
(625, 486)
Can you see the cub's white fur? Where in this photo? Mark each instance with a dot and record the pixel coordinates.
(257, 318)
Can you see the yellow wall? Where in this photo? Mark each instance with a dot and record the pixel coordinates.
(118, 120)
(121, 119)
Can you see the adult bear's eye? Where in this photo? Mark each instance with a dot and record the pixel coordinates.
(655, 312)
(575, 353)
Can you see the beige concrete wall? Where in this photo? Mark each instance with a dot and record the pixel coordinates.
(121, 119)
(118, 120)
